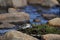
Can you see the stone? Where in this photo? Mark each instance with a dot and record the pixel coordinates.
(51, 37)
(14, 17)
(2, 3)
(44, 2)
(8, 2)
(36, 20)
(49, 16)
(6, 25)
(5, 3)
(16, 35)
(0, 37)
(12, 10)
(19, 3)
(54, 22)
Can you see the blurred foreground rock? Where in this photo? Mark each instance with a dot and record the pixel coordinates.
(44, 2)
(14, 3)
(54, 22)
(16, 35)
(12, 10)
(1, 38)
(14, 17)
(19, 3)
(49, 16)
(51, 37)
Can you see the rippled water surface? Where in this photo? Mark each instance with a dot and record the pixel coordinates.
(32, 11)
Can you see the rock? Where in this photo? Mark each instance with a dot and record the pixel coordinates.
(19, 3)
(51, 37)
(44, 2)
(16, 35)
(7, 25)
(12, 10)
(36, 20)
(14, 3)
(54, 22)
(14, 17)
(8, 3)
(5, 3)
(2, 3)
(49, 16)
(0, 37)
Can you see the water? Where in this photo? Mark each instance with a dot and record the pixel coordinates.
(32, 11)
(4, 30)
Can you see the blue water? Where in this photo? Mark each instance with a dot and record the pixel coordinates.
(3, 31)
(32, 11)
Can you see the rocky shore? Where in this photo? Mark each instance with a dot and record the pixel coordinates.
(29, 23)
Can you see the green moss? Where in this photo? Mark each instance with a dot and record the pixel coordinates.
(42, 29)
